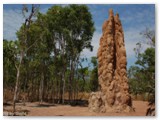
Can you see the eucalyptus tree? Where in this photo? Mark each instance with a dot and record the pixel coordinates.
(23, 38)
(9, 70)
(47, 53)
(69, 30)
(81, 29)
(142, 75)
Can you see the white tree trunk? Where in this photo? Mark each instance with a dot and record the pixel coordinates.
(17, 82)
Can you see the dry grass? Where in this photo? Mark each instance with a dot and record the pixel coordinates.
(8, 96)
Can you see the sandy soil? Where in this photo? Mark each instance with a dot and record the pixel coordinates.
(34, 109)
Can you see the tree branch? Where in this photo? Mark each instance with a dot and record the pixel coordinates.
(31, 45)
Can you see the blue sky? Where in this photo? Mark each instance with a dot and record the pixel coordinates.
(134, 17)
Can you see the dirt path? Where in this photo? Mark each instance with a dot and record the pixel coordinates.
(66, 110)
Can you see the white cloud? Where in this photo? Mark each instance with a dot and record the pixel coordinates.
(12, 20)
(44, 10)
(132, 36)
(142, 17)
(95, 43)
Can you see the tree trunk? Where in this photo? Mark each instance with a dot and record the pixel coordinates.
(17, 82)
(26, 27)
(32, 94)
(57, 89)
(63, 79)
(38, 90)
(71, 81)
(16, 90)
(52, 93)
(41, 88)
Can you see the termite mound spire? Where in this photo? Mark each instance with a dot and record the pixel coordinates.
(112, 73)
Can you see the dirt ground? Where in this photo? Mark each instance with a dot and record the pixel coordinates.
(34, 109)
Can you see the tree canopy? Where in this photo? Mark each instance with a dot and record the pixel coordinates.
(47, 53)
(142, 76)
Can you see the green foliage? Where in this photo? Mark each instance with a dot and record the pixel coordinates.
(142, 76)
(94, 75)
(10, 48)
(94, 61)
(52, 45)
(94, 80)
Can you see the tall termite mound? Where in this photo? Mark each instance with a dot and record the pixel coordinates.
(112, 74)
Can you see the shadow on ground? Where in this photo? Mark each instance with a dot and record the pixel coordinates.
(43, 105)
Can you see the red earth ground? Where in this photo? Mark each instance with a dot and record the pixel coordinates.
(34, 109)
